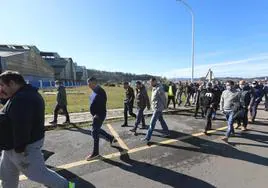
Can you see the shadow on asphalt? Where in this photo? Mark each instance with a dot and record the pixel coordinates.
(156, 173)
(221, 149)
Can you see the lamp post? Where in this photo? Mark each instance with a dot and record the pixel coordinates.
(193, 30)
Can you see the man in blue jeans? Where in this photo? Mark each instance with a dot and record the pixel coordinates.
(142, 101)
(229, 98)
(158, 101)
(98, 110)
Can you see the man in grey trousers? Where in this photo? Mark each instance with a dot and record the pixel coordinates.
(22, 135)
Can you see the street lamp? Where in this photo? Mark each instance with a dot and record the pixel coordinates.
(192, 14)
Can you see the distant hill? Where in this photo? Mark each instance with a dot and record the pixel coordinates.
(118, 77)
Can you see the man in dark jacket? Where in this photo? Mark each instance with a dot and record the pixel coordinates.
(197, 105)
(142, 101)
(246, 99)
(98, 100)
(265, 89)
(179, 93)
(217, 92)
(258, 93)
(188, 92)
(128, 103)
(207, 102)
(171, 94)
(61, 103)
(22, 134)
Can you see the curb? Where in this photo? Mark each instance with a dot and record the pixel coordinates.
(111, 119)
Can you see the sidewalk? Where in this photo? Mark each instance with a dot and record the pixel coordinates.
(84, 117)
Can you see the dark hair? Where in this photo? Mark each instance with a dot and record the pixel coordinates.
(92, 79)
(126, 83)
(14, 76)
(230, 82)
(153, 79)
(138, 82)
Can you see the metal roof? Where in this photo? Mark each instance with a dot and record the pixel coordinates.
(9, 53)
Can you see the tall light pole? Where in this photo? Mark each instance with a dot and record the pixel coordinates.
(192, 14)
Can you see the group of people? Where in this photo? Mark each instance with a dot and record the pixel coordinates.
(236, 101)
(22, 118)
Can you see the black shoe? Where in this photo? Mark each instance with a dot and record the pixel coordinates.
(124, 125)
(93, 157)
(53, 122)
(133, 130)
(113, 141)
(67, 122)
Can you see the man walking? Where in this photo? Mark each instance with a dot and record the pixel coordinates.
(158, 102)
(227, 103)
(142, 101)
(179, 93)
(207, 102)
(171, 94)
(61, 103)
(22, 135)
(98, 100)
(258, 93)
(128, 103)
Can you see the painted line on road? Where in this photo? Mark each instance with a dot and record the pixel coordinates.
(116, 135)
(134, 150)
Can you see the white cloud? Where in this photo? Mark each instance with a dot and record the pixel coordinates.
(249, 67)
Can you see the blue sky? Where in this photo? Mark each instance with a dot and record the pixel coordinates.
(145, 36)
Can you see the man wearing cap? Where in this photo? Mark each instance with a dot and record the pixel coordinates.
(258, 95)
(207, 102)
(61, 103)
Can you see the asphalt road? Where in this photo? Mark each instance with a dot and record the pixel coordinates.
(187, 159)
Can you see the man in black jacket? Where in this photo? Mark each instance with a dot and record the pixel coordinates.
(207, 102)
(61, 103)
(22, 134)
(98, 100)
(128, 103)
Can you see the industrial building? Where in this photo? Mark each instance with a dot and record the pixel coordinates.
(26, 60)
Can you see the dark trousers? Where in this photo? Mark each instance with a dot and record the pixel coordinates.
(208, 112)
(128, 108)
(187, 102)
(173, 100)
(97, 131)
(179, 95)
(197, 109)
(266, 102)
(244, 118)
(140, 118)
(65, 112)
(253, 110)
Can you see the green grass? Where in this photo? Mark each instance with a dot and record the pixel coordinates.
(78, 98)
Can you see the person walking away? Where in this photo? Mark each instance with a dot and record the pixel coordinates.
(158, 101)
(197, 105)
(246, 99)
(142, 101)
(171, 94)
(207, 102)
(228, 99)
(128, 103)
(258, 90)
(61, 103)
(22, 133)
(179, 93)
(98, 100)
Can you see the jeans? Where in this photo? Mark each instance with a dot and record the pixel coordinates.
(253, 110)
(128, 107)
(157, 115)
(97, 131)
(56, 111)
(31, 164)
(140, 117)
(230, 122)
